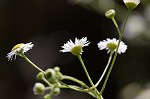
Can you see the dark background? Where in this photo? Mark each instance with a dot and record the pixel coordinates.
(51, 23)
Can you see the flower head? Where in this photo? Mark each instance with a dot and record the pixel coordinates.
(18, 49)
(111, 45)
(131, 4)
(76, 47)
(110, 13)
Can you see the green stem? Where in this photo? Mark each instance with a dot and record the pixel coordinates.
(82, 84)
(75, 80)
(46, 81)
(48, 88)
(88, 76)
(86, 72)
(128, 14)
(108, 63)
(26, 58)
(115, 56)
(63, 85)
(117, 27)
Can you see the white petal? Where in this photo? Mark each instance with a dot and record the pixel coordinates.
(14, 52)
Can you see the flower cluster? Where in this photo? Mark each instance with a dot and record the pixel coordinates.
(74, 47)
(54, 78)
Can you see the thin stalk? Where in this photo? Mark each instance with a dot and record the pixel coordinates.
(117, 27)
(75, 80)
(88, 76)
(82, 84)
(108, 63)
(86, 72)
(63, 85)
(46, 81)
(115, 56)
(27, 59)
(128, 14)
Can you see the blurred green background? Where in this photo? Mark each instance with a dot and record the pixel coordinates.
(51, 23)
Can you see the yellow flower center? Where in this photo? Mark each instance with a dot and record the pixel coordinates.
(131, 4)
(76, 50)
(112, 46)
(17, 46)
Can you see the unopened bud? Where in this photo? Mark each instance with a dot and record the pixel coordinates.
(56, 91)
(47, 96)
(110, 13)
(57, 69)
(40, 75)
(38, 88)
(51, 75)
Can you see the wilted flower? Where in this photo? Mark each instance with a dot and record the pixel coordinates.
(18, 49)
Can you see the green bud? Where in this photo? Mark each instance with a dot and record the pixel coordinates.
(51, 75)
(110, 13)
(57, 69)
(131, 4)
(57, 84)
(56, 91)
(47, 96)
(38, 88)
(40, 75)
(76, 50)
(59, 76)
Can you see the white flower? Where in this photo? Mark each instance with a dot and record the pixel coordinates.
(111, 45)
(131, 4)
(76, 47)
(19, 48)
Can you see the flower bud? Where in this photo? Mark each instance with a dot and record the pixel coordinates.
(110, 13)
(40, 75)
(59, 76)
(51, 75)
(56, 91)
(57, 69)
(38, 88)
(47, 96)
(131, 4)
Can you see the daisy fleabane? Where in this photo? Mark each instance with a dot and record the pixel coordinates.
(75, 47)
(111, 45)
(19, 48)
